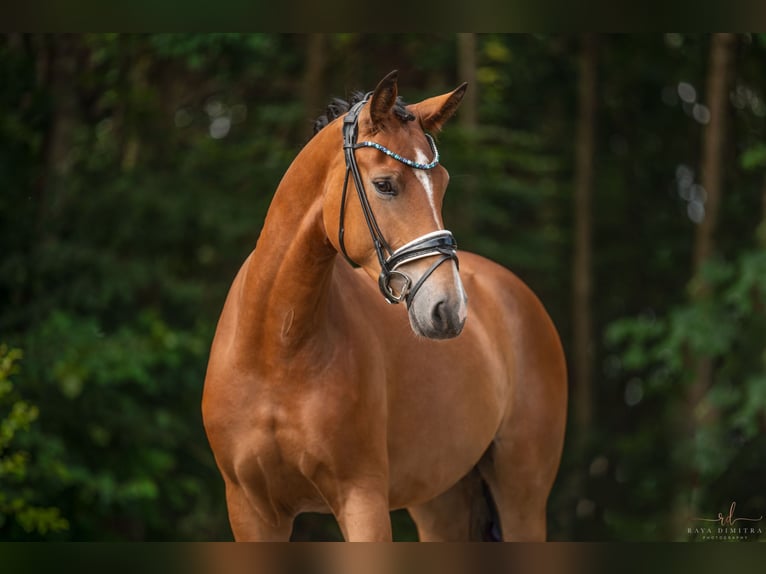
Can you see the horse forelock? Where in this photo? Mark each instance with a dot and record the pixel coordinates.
(338, 106)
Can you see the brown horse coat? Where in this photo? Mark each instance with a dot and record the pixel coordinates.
(320, 396)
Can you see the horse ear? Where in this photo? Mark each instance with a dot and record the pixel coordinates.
(384, 98)
(434, 112)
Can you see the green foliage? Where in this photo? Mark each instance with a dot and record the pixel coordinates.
(754, 157)
(133, 189)
(17, 499)
(205, 51)
(728, 326)
(115, 286)
(129, 435)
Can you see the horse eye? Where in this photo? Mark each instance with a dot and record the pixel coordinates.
(385, 187)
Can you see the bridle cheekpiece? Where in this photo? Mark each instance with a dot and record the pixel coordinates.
(439, 243)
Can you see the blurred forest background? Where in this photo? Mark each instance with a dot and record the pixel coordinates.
(621, 176)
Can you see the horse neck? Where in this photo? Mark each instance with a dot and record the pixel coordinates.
(284, 296)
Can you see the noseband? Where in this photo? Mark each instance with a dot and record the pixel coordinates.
(439, 243)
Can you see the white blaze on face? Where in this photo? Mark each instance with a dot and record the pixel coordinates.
(424, 177)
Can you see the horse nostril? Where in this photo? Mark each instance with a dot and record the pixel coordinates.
(439, 315)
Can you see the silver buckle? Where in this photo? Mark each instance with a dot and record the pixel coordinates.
(388, 292)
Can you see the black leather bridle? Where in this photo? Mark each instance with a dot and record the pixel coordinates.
(439, 243)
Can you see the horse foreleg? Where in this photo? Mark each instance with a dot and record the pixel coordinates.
(247, 524)
(363, 514)
(460, 514)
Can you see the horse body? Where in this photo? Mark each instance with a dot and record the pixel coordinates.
(320, 397)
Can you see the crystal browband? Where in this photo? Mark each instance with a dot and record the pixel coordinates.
(404, 160)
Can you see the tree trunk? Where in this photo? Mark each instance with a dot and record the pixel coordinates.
(582, 266)
(713, 140)
(138, 71)
(468, 117)
(468, 120)
(60, 66)
(313, 79)
(697, 411)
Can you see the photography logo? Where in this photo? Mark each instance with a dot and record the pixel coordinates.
(727, 527)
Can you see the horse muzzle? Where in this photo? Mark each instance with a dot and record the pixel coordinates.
(439, 311)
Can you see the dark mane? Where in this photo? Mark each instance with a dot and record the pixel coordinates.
(337, 107)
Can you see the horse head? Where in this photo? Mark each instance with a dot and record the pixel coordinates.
(391, 223)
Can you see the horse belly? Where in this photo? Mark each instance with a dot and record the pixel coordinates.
(441, 423)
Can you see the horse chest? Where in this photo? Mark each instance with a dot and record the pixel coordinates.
(424, 446)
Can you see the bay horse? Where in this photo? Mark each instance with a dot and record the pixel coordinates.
(324, 395)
